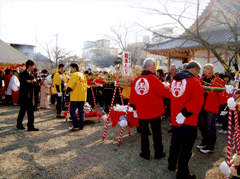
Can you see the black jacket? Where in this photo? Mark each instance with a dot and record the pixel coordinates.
(26, 89)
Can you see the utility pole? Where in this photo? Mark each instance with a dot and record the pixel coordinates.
(56, 51)
(35, 51)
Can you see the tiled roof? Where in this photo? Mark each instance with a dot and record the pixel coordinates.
(216, 37)
(231, 6)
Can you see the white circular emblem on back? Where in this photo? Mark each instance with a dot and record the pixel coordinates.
(178, 87)
(142, 86)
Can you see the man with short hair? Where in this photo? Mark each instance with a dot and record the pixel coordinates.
(77, 87)
(26, 98)
(59, 83)
(210, 109)
(147, 94)
(186, 103)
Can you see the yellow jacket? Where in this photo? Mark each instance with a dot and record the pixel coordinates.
(78, 84)
(57, 81)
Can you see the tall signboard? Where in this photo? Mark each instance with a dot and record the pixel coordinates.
(126, 63)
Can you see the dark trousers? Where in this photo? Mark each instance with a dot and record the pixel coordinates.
(60, 104)
(36, 96)
(156, 133)
(27, 106)
(100, 96)
(77, 105)
(90, 97)
(182, 142)
(208, 129)
(107, 96)
(223, 119)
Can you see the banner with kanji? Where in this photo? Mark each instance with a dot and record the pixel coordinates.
(126, 63)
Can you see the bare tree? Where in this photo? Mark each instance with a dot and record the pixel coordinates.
(55, 54)
(123, 34)
(102, 58)
(218, 18)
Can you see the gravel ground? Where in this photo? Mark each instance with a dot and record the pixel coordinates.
(55, 152)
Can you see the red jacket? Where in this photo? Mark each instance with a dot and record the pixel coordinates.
(146, 94)
(214, 99)
(187, 98)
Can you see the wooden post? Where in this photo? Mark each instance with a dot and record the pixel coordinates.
(208, 58)
(169, 62)
(193, 57)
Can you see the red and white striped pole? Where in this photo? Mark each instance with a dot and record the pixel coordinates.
(125, 117)
(120, 137)
(229, 137)
(95, 104)
(120, 92)
(106, 126)
(237, 130)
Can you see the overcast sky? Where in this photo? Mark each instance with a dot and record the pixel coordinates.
(75, 21)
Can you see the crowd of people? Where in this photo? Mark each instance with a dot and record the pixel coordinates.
(178, 95)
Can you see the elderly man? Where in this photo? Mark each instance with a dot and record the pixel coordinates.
(186, 103)
(210, 110)
(172, 72)
(147, 94)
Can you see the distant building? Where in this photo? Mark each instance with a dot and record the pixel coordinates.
(43, 62)
(27, 50)
(90, 47)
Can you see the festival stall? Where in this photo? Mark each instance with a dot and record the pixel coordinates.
(10, 58)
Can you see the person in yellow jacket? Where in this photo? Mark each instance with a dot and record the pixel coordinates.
(59, 83)
(77, 87)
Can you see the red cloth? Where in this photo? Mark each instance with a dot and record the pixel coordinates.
(3, 91)
(99, 81)
(147, 94)
(15, 95)
(214, 99)
(7, 78)
(89, 81)
(189, 97)
(114, 115)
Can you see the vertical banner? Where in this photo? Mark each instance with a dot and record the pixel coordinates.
(126, 63)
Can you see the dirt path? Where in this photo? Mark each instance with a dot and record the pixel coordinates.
(55, 152)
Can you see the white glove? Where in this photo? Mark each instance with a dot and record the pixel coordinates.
(65, 84)
(166, 84)
(135, 114)
(231, 103)
(229, 89)
(223, 113)
(60, 94)
(180, 118)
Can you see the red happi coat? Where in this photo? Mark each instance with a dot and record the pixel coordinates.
(214, 99)
(187, 94)
(187, 98)
(146, 94)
